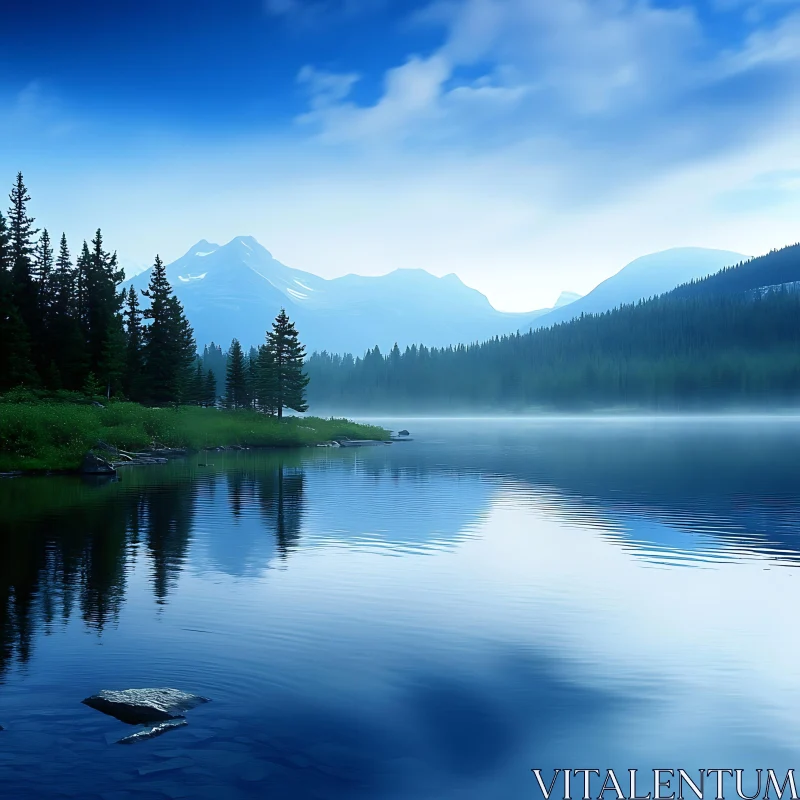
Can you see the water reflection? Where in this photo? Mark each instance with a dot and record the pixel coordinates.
(665, 496)
(428, 620)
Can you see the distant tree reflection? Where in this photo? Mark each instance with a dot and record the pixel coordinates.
(76, 554)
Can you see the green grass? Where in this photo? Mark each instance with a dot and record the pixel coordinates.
(54, 435)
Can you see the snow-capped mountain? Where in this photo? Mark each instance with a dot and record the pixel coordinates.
(235, 290)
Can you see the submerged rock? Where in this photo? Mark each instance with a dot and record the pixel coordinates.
(153, 731)
(143, 706)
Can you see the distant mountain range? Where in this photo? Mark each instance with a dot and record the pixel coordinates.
(648, 276)
(235, 290)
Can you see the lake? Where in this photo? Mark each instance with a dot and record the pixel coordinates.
(431, 619)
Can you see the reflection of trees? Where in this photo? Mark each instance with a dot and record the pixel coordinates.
(280, 495)
(168, 515)
(77, 558)
(276, 487)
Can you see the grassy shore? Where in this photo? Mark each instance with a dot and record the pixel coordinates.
(55, 435)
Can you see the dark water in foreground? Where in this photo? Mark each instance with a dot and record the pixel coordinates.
(426, 620)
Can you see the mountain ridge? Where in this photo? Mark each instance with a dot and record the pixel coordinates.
(644, 277)
(235, 290)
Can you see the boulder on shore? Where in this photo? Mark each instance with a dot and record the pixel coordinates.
(144, 706)
(95, 465)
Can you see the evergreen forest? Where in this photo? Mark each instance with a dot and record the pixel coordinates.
(68, 325)
(732, 339)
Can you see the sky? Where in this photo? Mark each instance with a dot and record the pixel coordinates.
(529, 146)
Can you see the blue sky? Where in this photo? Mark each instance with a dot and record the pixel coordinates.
(527, 145)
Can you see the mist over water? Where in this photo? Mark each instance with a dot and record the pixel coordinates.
(429, 619)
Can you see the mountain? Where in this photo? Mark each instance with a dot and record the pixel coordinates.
(648, 276)
(729, 340)
(236, 289)
(565, 298)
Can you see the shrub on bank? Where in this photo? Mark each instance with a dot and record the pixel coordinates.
(49, 434)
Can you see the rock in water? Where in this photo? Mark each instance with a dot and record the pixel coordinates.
(144, 706)
(403, 433)
(153, 731)
(94, 465)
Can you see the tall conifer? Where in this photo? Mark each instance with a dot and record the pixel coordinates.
(288, 356)
(22, 237)
(236, 377)
(67, 343)
(134, 344)
(169, 348)
(15, 357)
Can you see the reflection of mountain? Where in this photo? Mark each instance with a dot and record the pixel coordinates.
(663, 485)
(265, 498)
(691, 490)
(376, 499)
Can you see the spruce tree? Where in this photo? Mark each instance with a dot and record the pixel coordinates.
(43, 274)
(236, 378)
(198, 385)
(134, 344)
(82, 267)
(67, 343)
(266, 384)
(104, 331)
(184, 349)
(21, 243)
(169, 348)
(16, 366)
(161, 385)
(210, 395)
(288, 356)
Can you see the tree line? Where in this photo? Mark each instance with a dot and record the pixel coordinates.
(690, 347)
(69, 324)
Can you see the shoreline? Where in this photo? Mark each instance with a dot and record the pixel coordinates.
(57, 437)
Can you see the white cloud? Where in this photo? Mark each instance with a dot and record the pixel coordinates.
(326, 88)
(540, 146)
(779, 44)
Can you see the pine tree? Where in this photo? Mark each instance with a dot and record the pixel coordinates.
(82, 267)
(43, 274)
(91, 386)
(266, 384)
(169, 348)
(183, 347)
(21, 243)
(210, 396)
(134, 344)
(236, 379)
(111, 365)
(198, 385)
(16, 366)
(67, 344)
(288, 356)
(105, 337)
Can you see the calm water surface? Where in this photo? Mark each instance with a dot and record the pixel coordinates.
(426, 620)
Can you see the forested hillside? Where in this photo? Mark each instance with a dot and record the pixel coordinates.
(774, 269)
(691, 347)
